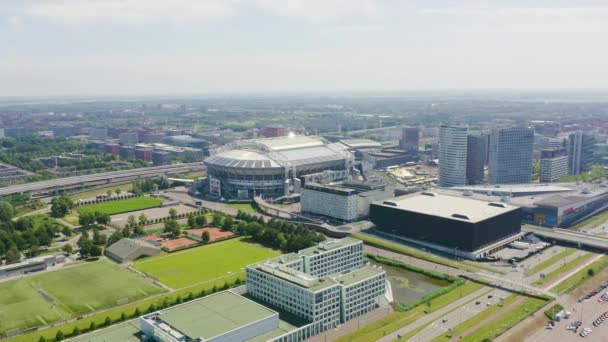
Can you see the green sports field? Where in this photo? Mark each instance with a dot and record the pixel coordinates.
(70, 292)
(204, 263)
(122, 206)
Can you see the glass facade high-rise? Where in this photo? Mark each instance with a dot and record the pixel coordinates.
(452, 155)
(580, 153)
(477, 152)
(511, 155)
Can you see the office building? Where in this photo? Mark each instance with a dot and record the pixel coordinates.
(553, 165)
(112, 148)
(128, 138)
(511, 156)
(410, 139)
(336, 202)
(580, 152)
(98, 133)
(477, 151)
(452, 155)
(469, 227)
(325, 285)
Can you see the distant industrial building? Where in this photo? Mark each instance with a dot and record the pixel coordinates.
(553, 165)
(66, 131)
(452, 155)
(467, 227)
(274, 131)
(410, 139)
(273, 167)
(161, 158)
(15, 131)
(188, 141)
(152, 137)
(580, 152)
(10, 173)
(112, 148)
(477, 152)
(128, 138)
(511, 155)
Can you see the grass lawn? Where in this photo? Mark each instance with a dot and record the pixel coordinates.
(397, 319)
(70, 292)
(581, 276)
(41, 219)
(561, 270)
(591, 222)
(541, 266)
(72, 218)
(471, 322)
(122, 206)
(204, 263)
(507, 320)
(409, 251)
(95, 192)
(246, 207)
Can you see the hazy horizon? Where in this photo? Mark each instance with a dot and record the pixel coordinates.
(187, 47)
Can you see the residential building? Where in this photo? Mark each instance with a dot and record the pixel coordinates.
(511, 155)
(336, 202)
(452, 155)
(128, 138)
(98, 133)
(580, 152)
(477, 151)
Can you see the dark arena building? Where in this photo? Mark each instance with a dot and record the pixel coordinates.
(274, 167)
(456, 225)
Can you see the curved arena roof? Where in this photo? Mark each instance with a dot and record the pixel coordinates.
(279, 153)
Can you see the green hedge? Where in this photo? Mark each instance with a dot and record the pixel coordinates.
(551, 312)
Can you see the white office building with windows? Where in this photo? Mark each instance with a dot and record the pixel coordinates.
(452, 155)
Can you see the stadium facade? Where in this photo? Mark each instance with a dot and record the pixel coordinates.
(274, 167)
(468, 227)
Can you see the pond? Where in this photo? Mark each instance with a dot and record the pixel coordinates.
(410, 286)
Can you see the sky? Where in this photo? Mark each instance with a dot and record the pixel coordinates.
(170, 47)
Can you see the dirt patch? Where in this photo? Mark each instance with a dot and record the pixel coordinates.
(527, 327)
(590, 284)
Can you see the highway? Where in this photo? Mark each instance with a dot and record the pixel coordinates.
(100, 178)
(570, 236)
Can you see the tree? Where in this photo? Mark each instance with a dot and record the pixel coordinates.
(137, 312)
(143, 219)
(205, 236)
(92, 326)
(12, 255)
(117, 235)
(191, 222)
(67, 249)
(102, 218)
(131, 221)
(171, 226)
(217, 219)
(228, 223)
(107, 321)
(6, 211)
(66, 231)
(76, 331)
(201, 220)
(173, 213)
(591, 272)
(86, 219)
(60, 206)
(59, 336)
(99, 238)
(42, 339)
(95, 251)
(118, 191)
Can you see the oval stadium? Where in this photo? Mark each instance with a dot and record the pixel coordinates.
(275, 167)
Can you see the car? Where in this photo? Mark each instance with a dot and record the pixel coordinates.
(477, 302)
(490, 296)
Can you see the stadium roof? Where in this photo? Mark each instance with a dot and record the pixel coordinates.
(214, 315)
(279, 152)
(450, 207)
(515, 189)
(360, 143)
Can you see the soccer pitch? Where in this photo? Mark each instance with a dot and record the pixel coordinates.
(204, 263)
(52, 296)
(123, 206)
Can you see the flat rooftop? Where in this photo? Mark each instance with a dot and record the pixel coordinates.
(304, 280)
(124, 332)
(359, 275)
(447, 206)
(328, 246)
(214, 315)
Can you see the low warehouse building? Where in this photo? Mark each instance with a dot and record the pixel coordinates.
(128, 250)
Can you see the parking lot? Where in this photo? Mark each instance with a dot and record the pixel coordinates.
(120, 220)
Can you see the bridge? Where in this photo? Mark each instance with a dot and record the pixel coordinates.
(506, 283)
(570, 237)
(100, 178)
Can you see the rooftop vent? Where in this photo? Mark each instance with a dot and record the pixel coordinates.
(505, 199)
(428, 194)
(391, 203)
(586, 191)
(464, 217)
(467, 193)
(498, 205)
